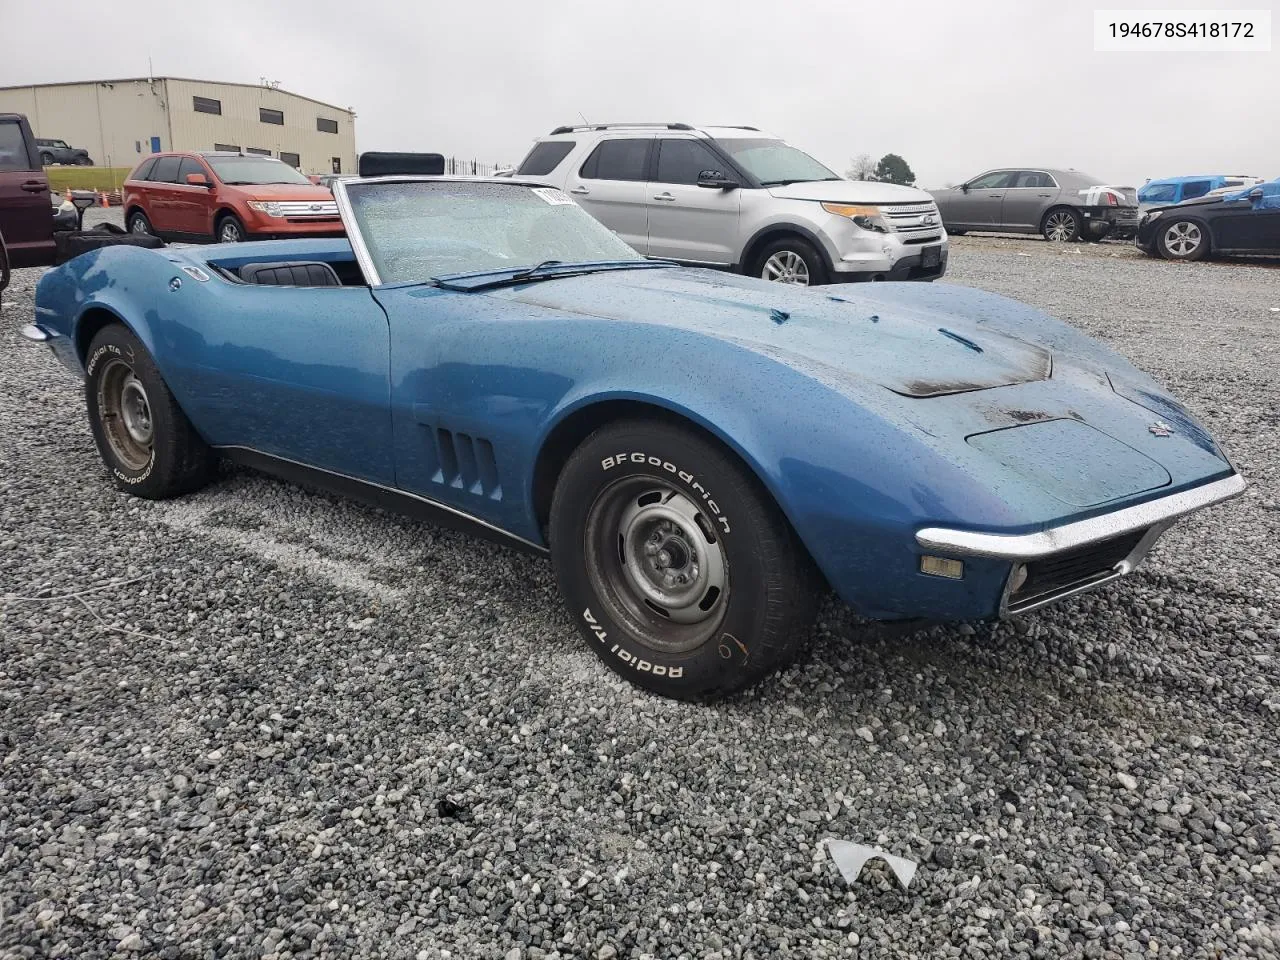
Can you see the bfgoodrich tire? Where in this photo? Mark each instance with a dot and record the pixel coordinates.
(148, 445)
(678, 568)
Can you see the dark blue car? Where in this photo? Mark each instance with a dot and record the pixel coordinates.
(701, 454)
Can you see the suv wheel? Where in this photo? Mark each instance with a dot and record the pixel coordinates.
(138, 223)
(46, 159)
(230, 230)
(791, 260)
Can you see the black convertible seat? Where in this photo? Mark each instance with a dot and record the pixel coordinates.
(300, 273)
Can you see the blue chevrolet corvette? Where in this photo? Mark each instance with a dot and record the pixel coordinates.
(701, 454)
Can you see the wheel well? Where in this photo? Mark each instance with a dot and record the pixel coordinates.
(222, 213)
(90, 323)
(749, 255)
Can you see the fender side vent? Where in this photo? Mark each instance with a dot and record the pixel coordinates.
(466, 463)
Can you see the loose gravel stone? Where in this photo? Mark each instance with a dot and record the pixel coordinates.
(281, 725)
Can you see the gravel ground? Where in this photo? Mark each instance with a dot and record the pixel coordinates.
(279, 725)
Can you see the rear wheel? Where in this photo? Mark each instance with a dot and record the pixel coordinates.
(83, 162)
(678, 568)
(143, 437)
(1061, 225)
(1183, 240)
(791, 260)
(229, 229)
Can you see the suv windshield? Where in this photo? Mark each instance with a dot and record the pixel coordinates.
(251, 170)
(773, 162)
(416, 231)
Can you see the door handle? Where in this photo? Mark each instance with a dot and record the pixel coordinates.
(580, 191)
(34, 186)
(665, 196)
(994, 196)
(1045, 196)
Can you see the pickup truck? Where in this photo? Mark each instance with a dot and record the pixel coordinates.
(26, 217)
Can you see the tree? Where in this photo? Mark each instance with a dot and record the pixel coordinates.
(861, 168)
(893, 169)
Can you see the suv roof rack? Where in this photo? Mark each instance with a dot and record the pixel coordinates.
(610, 126)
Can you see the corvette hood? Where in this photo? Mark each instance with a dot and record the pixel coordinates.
(912, 349)
(850, 191)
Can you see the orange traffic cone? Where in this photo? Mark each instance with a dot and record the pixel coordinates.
(103, 198)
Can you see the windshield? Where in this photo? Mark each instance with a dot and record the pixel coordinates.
(250, 170)
(773, 162)
(418, 230)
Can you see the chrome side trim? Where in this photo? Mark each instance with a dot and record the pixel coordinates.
(354, 237)
(231, 450)
(1032, 546)
(34, 333)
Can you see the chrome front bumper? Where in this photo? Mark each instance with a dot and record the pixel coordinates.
(1142, 525)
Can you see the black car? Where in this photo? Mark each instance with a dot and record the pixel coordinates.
(59, 151)
(1247, 222)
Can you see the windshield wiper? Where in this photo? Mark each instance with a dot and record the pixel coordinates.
(472, 282)
(787, 183)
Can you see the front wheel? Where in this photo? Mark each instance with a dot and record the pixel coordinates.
(791, 260)
(46, 159)
(84, 162)
(678, 568)
(1183, 240)
(146, 441)
(1061, 226)
(139, 224)
(230, 230)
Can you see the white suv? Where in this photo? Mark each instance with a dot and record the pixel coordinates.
(737, 198)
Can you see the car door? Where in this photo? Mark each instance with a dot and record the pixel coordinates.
(688, 222)
(26, 215)
(978, 207)
(191, 204)
(299, 373)
(161, 195)
(611, 185)
(1249, 224)
(1026, 197)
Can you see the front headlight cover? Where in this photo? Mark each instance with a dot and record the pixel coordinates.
(866, 216)
(270, 207)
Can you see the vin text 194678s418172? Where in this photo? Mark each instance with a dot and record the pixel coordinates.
(700, 453)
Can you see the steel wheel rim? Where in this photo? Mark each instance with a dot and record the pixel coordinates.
(125, 410)
(1060, 225)
(786, 266)
(1182, 239)
(229, 232)
(657, 564)
(139, 225)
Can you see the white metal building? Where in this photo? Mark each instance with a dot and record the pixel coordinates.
(121, 121)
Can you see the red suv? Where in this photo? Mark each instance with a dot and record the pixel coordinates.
(227, 197)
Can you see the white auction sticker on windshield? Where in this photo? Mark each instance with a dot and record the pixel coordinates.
(552, 196)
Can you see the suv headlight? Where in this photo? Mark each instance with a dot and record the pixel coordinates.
(270, 207)
(868, 218)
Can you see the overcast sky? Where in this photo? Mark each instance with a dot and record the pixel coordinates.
(955, 86)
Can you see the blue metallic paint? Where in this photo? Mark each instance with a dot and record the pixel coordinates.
(853, 412)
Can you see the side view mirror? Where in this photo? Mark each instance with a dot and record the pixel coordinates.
(198, 180)
(964, 188)
(716, 180)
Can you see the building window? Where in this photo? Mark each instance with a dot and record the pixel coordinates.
(228, 147)
(257, 151)
(207, 105)
(326, 126)
(336, 163)
(292, 159)
(271, 116)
